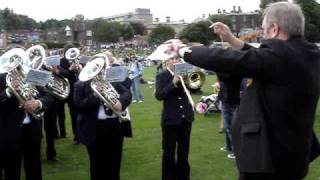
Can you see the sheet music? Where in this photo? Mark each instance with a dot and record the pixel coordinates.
(182, 69)
(38, 77)
(117, 74)
(84, 59)
(53, 61)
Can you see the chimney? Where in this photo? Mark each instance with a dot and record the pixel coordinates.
(203, 16)
(168, 19)
(219, 11)
(234, 9)
(156, 20)
(224, 11)
(239, 9)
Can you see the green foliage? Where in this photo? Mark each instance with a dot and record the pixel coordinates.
(161, 33)
(311, 10)
(54, 24)
(127, 31)
(12, 21)
(264, 3)
(198, 32)
(138, 28)
(105, 31)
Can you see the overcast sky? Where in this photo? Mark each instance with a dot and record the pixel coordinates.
(176, 9)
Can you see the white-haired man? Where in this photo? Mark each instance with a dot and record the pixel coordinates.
(273, 131)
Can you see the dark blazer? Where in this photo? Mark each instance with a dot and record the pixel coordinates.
(175, 101)
(88, 104)
(273, 134)
(72, 76)
(11, 117)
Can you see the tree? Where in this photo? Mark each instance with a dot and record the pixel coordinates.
(198, 32)
(127, 31)
(105, 31)
(161, 33)
(138, 28)
(11, 21)
(311, 10)
(264, 3)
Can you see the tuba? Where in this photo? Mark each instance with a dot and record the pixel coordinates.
(12, 63)
(96, 70)
(57, 86)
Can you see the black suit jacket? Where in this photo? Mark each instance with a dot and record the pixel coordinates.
(175, 101)
(88, 104)
(11, 117)
(286, 77)
(72, 76)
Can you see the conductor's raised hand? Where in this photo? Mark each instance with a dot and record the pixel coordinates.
(223, 31)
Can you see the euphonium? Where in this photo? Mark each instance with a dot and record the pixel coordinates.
(96, 70)
(58, 86)
(73, 54)
(12, 62)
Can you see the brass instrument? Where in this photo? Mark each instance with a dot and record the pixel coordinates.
(58, 86)
(195, 80)
(12, 63)
(96, 70)
(73, 54)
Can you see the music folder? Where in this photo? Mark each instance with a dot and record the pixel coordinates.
(182, 69)
(84, 59)
(38, 77)
(53, 61)
(116, 74)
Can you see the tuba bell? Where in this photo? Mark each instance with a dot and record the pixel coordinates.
(57, 86)
(95, 70)
(12, 63)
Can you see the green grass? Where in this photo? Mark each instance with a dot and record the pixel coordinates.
(142, 153)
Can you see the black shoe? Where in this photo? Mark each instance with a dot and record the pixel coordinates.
(75, 142)
(53, 159)
(63, 136)
(221, 130)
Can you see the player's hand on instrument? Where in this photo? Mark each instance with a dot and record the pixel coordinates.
(31, 105)
(176, 80)
(118, 106)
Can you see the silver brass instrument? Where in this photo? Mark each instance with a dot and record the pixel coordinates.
(57, 86)
(96, 70)
(73, 54)
(12, 62)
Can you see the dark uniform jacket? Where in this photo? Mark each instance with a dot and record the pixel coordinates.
(88, 104)
(273, 131)
(11, 117)
(175, 101)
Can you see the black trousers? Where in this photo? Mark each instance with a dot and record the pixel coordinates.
(266, 176)
(30, 150)
(105, 153)
(61, 118)
(10, 162)
(175, 143)
(50, 127)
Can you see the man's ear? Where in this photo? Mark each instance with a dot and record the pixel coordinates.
(275, 30)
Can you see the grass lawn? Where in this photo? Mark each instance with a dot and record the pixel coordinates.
(142, 153)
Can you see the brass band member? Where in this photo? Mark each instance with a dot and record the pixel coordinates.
(20, 133)
(100, 129)
(176, 123)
